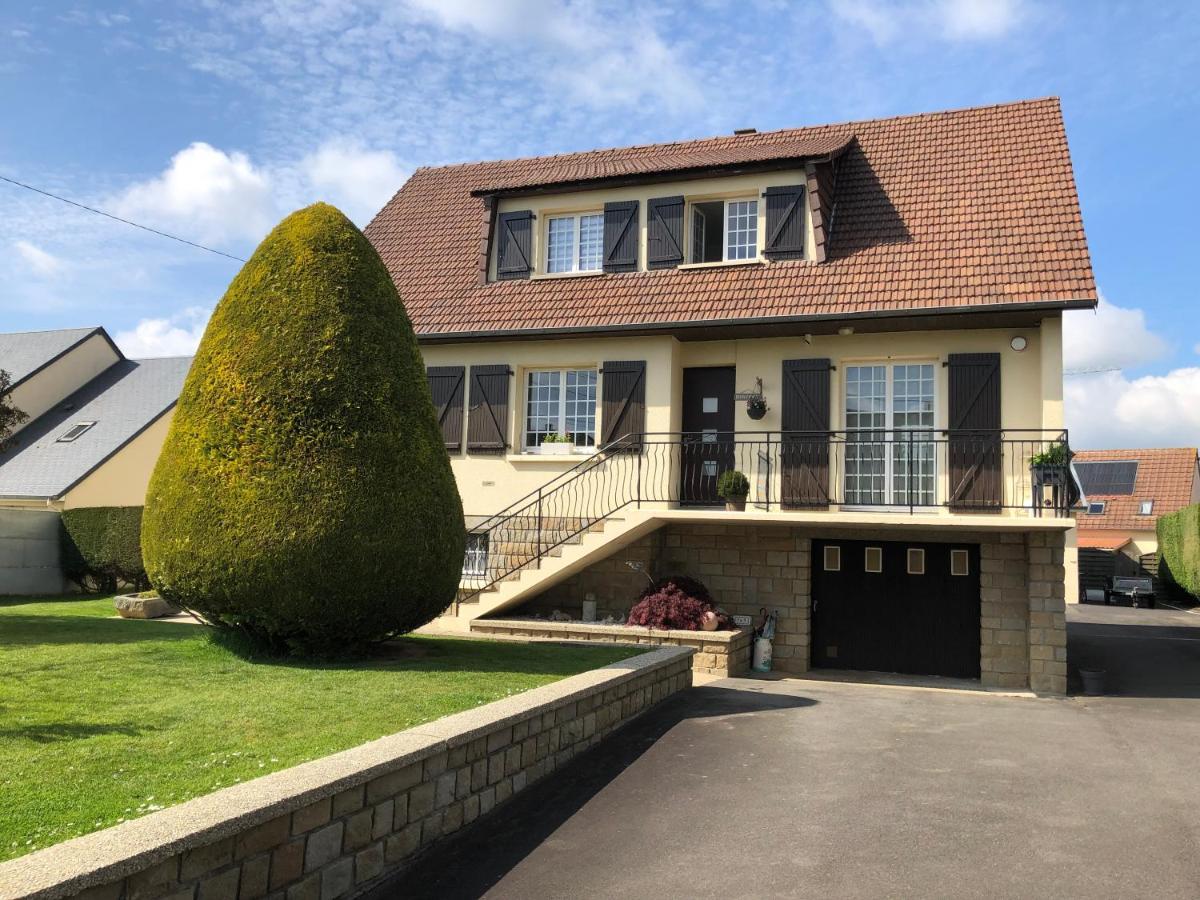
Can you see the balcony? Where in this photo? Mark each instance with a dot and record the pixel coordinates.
(997, 473)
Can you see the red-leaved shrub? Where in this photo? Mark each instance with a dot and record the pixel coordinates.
(675, 602)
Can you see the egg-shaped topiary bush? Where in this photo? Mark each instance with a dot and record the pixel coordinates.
(304, 494)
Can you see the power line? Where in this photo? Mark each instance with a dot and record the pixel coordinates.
(101, 212)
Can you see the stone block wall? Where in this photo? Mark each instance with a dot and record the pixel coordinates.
(747, 567)
(721, 653)
(337, 826)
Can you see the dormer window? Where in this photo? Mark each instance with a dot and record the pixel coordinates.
(575, 243)
(723, 231)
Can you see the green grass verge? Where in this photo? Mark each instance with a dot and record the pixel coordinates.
(105, 719)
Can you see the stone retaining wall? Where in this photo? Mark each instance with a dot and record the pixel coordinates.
(722, 653)
(337, 826)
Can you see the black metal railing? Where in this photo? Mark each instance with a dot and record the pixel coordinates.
(898, 470)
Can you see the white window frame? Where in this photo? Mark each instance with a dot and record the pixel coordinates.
(965, 558)
(692, 203)
(909, 557)
(475, 562)
(878, 569)
(1145, 507)
(890, 429)
(576, 217)
(836, 558)
(562, 404)
(1096, 512)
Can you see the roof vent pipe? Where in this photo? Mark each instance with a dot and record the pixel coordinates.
(738, 131)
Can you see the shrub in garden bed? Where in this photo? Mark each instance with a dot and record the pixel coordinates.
(677, 601)
(304, 494)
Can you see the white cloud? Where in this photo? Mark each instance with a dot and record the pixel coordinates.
(356, 180)
(1111, 337)
(951, 20)
(207, 194)
(40, 261)
(178, 335)
(1108, 410)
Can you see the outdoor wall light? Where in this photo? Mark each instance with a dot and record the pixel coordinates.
(1018, 343)
(846, 330)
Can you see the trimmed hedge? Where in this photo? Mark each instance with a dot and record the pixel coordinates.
(1179, 549)
(102, 548)
(304, 494)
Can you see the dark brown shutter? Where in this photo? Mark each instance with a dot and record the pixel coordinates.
(514, 245)
(804, 452)
(487, 422)
(621, 236)
(446, 388)
(664, 235)
(975, 438)
(785, 222)
(623, 403)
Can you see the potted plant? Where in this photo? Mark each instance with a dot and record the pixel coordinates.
(557, 445)
(733, 487)
(756, 407)
(1049, 466)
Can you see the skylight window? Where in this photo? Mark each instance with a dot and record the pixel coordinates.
(1096, 508)
(1146, 508)
(74, 432)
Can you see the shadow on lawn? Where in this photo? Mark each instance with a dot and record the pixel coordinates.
(29, 631)
(55, 732)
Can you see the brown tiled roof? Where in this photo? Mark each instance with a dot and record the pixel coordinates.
(595, 165)
(1103, 540)
(1166, 476)
(972, 208)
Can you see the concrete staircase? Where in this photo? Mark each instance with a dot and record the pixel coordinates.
(516, 545)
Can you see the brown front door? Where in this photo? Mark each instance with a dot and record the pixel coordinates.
(708, 424)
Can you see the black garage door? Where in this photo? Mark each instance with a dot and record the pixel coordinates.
(896, 607)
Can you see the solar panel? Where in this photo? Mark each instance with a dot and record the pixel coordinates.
(1107, 477)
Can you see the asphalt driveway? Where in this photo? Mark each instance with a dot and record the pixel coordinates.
(747, 788)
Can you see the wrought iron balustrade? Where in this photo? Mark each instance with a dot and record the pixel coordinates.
(918, 470)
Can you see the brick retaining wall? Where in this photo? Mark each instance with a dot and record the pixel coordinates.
(337, 826)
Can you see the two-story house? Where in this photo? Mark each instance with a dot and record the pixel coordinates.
(864, 319)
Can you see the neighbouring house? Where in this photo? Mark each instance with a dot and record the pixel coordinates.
(97, 422)
(1125, 491)
(865, 319)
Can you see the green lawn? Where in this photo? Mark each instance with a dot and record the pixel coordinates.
(103, 719)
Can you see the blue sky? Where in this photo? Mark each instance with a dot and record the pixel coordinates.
(212, 120)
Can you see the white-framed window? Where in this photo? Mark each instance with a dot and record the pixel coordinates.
(960, 562)
(1096, 508)
(560, 401)
(575, 243)
(1146, 508)
(832, 558)
(916, 561)
(890, 454)
(873, 559)
(475, 562)
(75, 431)
(734, 222)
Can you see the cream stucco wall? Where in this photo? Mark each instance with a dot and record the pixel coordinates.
(123, 479)
(63, 377)
(1031, 393)
(736, 187)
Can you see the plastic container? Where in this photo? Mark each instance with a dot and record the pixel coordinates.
(762, 655)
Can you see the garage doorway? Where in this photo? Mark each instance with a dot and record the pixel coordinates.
(891, 606)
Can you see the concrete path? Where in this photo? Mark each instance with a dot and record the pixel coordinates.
(746, 788)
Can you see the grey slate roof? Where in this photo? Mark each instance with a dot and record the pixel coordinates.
(23, 353)
(122, 401)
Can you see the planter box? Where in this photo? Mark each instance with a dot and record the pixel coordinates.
(556, 449)
(131, 606)
(722, 653)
